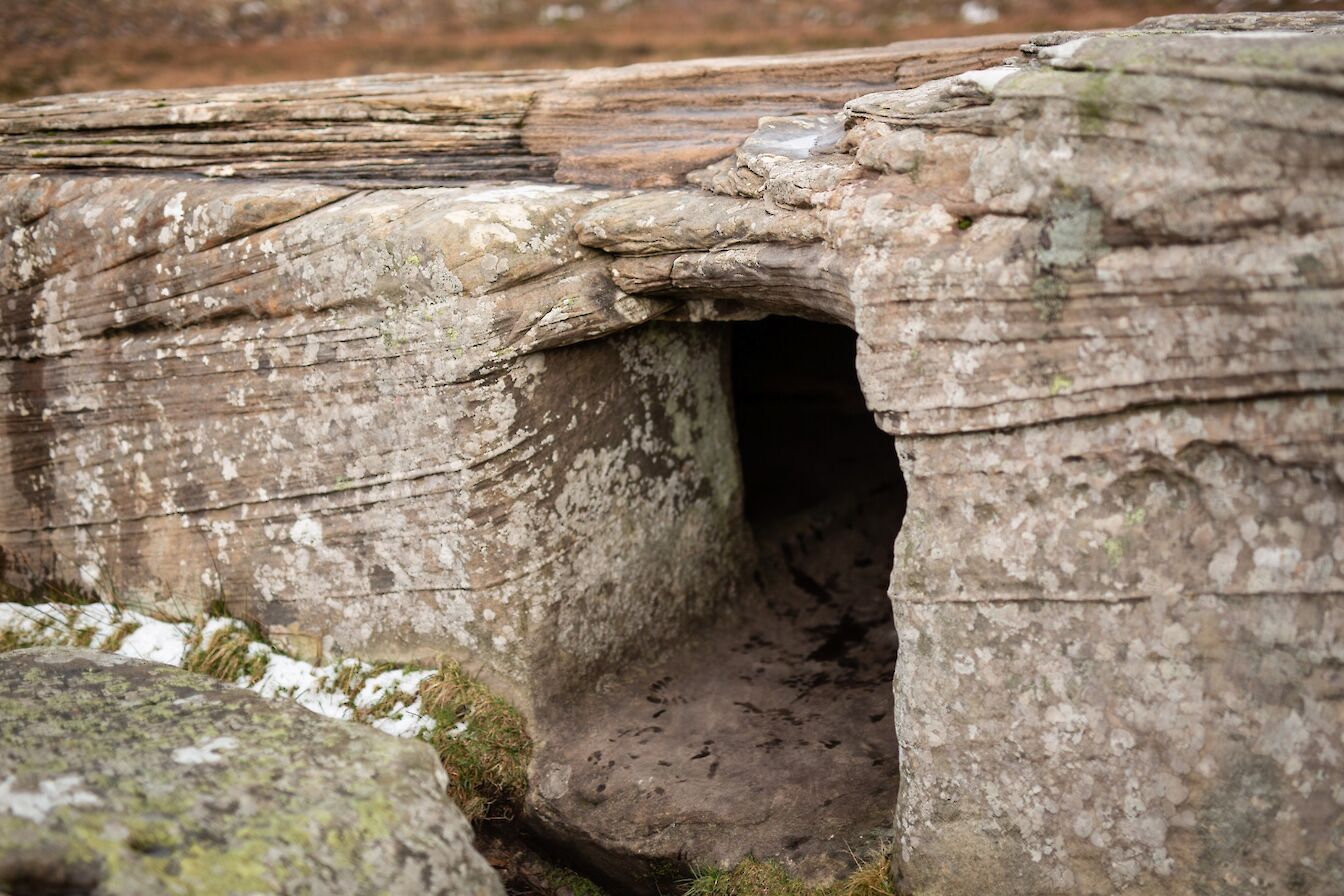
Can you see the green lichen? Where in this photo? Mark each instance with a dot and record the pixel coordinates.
(158, 824)
(1048, 293)
(480, 738)
(1092, 103)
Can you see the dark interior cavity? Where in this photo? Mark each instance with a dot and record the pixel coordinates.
(805, 435)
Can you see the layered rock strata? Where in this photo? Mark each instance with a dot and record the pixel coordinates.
(1096, 285)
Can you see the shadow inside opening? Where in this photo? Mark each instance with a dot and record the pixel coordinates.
(769, 730)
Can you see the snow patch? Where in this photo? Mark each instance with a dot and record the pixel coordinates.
(1062, 52)
(284, 677)
(989, 78)
(159, 642)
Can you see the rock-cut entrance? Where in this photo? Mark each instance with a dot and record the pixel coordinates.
(769, 731)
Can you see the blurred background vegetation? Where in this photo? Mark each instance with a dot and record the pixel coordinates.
(62, 46)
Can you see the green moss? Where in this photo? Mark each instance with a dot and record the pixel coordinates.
(165, 830)
(481, 740)
(567, 883)
(1092, 103)
(753, 877)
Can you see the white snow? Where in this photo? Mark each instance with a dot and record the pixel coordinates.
(160, 642)
(987, 79)
(1061, 52)
(312, 687)
(396, 679)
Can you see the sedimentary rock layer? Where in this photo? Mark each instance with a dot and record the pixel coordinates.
(638, 125)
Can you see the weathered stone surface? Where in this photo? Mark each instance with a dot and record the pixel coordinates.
(1106, 333)
(177, 390)
(120, 776)
(637, 125)
(1098, 297)
(1177, 694)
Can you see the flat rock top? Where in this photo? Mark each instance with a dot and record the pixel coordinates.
(127, 777)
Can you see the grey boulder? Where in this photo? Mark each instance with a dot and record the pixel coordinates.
(120, 776)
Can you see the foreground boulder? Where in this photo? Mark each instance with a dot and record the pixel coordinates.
(120, 776)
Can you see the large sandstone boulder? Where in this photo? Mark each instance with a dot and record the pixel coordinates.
(1097, 289)
(130, 778)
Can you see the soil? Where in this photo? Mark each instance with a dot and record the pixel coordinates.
(770, 734)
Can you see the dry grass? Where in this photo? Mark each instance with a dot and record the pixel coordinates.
(227, 655)
(23, 581)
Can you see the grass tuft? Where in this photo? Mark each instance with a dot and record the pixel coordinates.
(749, 877)
(227, 655)
(873, 878)
(481, 740)
(753, 877)
(24, 582)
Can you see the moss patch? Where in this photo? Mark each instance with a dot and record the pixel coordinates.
(566, 883)
(481, 740)
(752, 877)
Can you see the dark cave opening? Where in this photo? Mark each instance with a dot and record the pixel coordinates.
(769, 730)
(824, 497)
